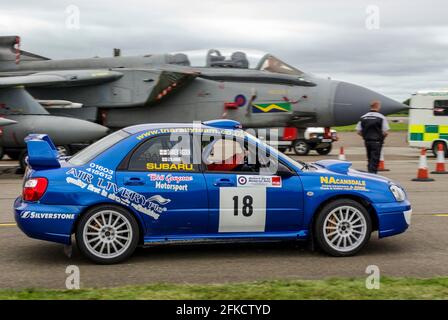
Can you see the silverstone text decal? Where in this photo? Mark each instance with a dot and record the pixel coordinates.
(39, 215)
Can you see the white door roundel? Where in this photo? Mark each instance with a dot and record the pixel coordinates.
(242, 209)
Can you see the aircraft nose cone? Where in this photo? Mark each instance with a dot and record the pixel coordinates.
(352, 101)
(91, 131)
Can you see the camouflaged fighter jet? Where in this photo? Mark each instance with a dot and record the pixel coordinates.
(254, 88)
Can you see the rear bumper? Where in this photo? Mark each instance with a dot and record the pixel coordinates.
(393, 218)
(46, 222)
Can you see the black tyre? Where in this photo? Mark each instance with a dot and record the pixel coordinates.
(2, 153)
(22, 160)
(14, 155)
(324, 151)
(64, 151)
(282, 149)
(342, 228)
(435, 148)
(300, 147)
(107, 234)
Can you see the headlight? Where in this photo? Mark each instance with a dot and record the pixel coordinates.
(398, 193)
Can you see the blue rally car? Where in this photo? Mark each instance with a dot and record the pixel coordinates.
(162, 183)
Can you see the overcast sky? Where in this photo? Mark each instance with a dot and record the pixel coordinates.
(404, 51)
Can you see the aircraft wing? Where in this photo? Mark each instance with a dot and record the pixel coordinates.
(65, 78)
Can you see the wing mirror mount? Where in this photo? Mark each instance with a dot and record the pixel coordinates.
(284, 171)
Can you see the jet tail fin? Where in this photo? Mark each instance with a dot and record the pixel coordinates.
(17, 100)
(11, 55)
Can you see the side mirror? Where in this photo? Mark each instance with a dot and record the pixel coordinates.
(284, 171)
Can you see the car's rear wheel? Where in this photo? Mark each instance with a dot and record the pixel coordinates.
(343, 227)
(107, 234)
(14, 155)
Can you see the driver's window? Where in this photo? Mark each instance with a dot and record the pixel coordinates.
(231, 154)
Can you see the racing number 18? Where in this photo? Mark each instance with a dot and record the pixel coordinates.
(242, 209)
(247, 208)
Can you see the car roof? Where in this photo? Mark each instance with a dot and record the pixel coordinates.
(217, 124)
(151, 126)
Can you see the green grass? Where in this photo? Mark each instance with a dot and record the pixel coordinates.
(390, 288)
(394, 126)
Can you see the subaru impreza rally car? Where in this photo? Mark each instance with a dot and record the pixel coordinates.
(164, 183)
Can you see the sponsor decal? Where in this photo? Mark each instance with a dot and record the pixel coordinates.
(332, 183)
(259, 181)
(214, 131)
(175, 152)
(171, 159)
(51, 216)
(100, 171)
(170, 182)
(271, 107)
(152, 206)
(169, 166)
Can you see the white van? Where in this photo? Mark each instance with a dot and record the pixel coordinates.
(428, 120)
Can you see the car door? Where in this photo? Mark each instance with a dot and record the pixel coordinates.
(174, 188)
(244, 200)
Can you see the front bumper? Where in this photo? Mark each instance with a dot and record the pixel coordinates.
(46, 222)
(393, 217)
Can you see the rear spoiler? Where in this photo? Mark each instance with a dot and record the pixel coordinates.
(42, 153)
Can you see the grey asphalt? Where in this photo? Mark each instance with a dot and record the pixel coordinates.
(420, 252)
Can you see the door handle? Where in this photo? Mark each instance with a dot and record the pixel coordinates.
(134, 181)
(224, 182)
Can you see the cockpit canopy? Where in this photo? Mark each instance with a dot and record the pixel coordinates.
(231, 58)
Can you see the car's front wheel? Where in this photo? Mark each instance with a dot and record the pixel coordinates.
(324, 151)
(343, 227)
(107, 234)
(300, 147)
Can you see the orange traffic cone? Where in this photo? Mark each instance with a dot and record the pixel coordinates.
(381, 166)
(422, 174)
(440, 165)
(342, 154)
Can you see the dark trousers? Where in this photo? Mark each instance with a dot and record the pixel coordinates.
(373, 155)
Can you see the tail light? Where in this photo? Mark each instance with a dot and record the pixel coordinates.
(34, 189)
(289, 134)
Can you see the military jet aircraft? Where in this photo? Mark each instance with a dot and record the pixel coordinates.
(27, 115)
(254, 88)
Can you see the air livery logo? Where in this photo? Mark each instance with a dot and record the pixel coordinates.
(271, 107)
